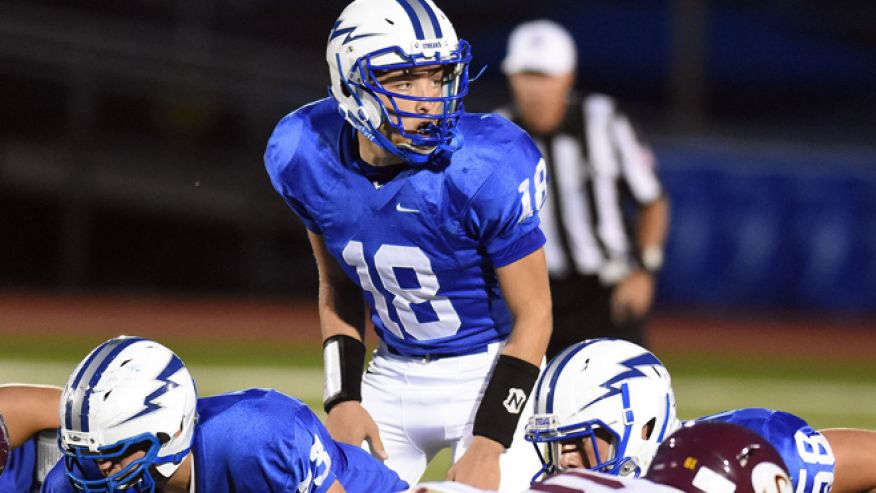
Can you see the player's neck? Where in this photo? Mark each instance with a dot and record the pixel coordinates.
(180, 480)
(375, 155)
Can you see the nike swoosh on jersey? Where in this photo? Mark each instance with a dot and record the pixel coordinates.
(401, 208)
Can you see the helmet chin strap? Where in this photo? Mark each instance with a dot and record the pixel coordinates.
(167, 465)
(438, 155)
(454, 143)
(442, 154)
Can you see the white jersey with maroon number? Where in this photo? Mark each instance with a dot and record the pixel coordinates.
(445, 487)
(585, 481)
(572, 481)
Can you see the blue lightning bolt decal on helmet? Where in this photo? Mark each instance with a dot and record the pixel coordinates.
(337, 30)
(398, 35)
(612, 386)
(128, 395)
(605, 391)
(149, 402)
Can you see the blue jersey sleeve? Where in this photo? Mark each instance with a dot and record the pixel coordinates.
(365, 474)
(805, 451)
(504, 210)
(309, 453)
(354, 468)
(281, 165)
(20, 469)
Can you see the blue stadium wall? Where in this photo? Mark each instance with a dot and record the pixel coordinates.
(770, 226)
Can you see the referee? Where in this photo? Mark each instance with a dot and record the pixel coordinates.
(606, 216)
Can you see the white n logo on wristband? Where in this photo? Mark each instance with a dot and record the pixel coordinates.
(515, 400)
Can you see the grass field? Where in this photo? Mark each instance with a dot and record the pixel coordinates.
(826, 391)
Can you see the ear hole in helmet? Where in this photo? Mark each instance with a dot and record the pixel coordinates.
(648, 429)
(163, 437)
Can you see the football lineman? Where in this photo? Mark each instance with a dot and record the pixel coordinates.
(431, 214)
(131, 421)
(28, 441)
(607, 404)
(700, 457)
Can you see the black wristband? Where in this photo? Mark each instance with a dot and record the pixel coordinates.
(504, 398)
(344, 358)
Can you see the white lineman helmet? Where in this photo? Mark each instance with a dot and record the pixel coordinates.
(609, 389)
(372, 36)
(128, 394)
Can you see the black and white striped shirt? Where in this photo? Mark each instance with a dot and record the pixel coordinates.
(596, 164)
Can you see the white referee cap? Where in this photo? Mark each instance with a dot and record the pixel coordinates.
(541, 46)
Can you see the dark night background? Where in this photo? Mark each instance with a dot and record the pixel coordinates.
(131, 139)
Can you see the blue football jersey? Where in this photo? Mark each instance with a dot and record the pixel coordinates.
(20, 472)
(805, 451)
(259, 440)
(422, 244)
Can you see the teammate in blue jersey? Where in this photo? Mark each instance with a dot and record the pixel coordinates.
(433, 214)
(28, 443)
(607, 404)
(131, 421)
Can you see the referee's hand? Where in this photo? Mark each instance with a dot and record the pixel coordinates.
(632, 298)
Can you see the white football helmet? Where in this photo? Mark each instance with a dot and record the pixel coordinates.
(609, 389)
(371, 36)
(128, 394)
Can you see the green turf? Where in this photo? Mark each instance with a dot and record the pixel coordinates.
(67, 348)
(247, 353)
(802, 368)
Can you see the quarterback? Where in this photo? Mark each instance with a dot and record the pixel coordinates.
(607, 404)
(431, 214)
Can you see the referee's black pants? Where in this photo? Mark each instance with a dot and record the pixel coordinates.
(582, 310)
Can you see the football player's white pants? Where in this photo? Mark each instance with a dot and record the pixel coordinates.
(423, 406)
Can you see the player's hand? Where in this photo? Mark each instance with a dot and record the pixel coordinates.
(349, 422)
(632, 298)
(479, 465)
